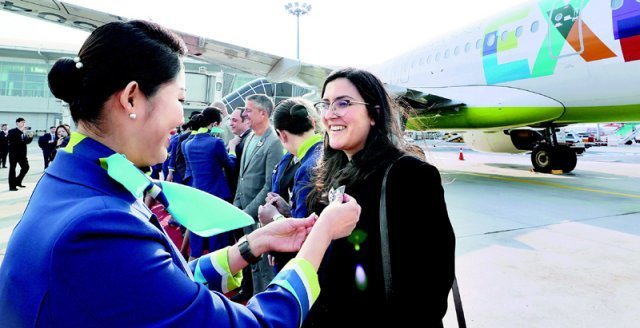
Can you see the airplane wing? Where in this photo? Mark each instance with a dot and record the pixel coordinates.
(274, 68)
(488, 107)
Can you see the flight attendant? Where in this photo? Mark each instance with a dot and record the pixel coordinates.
(100, 258)
(207, 157)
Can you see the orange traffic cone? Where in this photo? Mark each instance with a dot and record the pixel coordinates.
(461, 156)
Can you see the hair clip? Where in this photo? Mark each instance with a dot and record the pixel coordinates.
(78, 62)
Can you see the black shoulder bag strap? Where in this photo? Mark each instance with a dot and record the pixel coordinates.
(386, 255)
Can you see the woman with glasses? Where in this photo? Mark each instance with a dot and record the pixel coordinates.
(89, 253)
(362, 140)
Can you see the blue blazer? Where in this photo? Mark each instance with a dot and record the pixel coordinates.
(90, 254)
(207, 157)
(186, 179)
(302, 183)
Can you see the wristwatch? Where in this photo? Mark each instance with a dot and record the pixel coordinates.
(245, 251)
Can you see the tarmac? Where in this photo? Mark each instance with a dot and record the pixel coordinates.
(532, 250)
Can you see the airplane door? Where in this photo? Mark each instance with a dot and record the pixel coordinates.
(567, 20)
(404, 74)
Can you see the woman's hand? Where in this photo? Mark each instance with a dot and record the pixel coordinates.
(336, 221)
(233, 143)
(339, 219)
(266, 213)
(283, 235)
(279, 203)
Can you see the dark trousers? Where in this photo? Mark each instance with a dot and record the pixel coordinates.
(14, 180)
(3, 156)
(47, 158)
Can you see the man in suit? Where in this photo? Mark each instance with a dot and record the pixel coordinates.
(262, 151)
(240, 128)
(48, 144)
(4, 145)
(227, 133)
(18, 141)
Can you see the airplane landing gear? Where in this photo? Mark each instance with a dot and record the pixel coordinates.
(551, 156)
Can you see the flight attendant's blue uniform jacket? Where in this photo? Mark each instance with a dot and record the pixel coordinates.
(207, 157)
(86, 253)
(186, 179)
(309, 152)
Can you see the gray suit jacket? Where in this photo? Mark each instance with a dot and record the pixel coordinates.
(254, 180)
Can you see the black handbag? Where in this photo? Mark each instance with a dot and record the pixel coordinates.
(386, 255)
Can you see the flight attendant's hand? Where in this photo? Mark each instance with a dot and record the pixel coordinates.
(285, 235)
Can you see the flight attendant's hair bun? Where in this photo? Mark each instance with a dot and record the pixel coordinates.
(65, 80)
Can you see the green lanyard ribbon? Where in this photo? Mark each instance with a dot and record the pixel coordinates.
(200, 212)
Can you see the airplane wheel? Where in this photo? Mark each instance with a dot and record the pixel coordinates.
(565, 159)
(541, 158)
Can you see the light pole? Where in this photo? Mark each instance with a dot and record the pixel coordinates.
(298, 8)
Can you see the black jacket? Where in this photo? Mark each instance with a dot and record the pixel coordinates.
(4, 141)
(420, 236)
(18, 142)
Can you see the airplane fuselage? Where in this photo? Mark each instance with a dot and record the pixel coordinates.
(578, 60)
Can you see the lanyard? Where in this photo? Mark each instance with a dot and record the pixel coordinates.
(200, 212)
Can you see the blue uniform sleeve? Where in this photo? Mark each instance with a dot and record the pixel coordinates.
(111, 268)
(303, 184)
(277, 172)
(213, 270)
(301, 189)
(227, 160)
(173, 148)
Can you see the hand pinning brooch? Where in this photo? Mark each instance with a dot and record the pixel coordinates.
(336, 194)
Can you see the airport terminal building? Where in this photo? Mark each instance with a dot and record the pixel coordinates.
(24, 91)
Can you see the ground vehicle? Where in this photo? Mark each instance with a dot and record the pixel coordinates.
(571, 138)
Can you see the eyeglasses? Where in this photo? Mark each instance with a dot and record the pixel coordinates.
(339, 107)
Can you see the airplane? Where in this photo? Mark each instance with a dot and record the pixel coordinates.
(506, 84)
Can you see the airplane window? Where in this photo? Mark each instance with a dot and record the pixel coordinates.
(421, 61)
(456, 51)
(438, 56)
(616, 4)
(504, 36)
(447, 53)
(519, 31)
(429, 59)
(534, 26)
(467, 47)
(478, 43)
(491, 40)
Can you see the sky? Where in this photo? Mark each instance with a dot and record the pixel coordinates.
(335, 32)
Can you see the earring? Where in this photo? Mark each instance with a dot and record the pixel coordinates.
(133, 116)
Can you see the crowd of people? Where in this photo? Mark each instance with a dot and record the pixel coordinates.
(313, 256)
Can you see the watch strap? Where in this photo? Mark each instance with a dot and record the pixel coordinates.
(245, 251)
